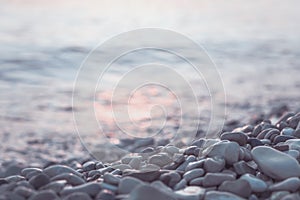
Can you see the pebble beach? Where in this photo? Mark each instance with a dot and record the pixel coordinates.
(256, 161)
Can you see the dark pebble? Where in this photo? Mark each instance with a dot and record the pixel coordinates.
(237, 137)
(78, 196)
(39, 180)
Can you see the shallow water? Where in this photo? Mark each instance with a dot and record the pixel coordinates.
(254, 44)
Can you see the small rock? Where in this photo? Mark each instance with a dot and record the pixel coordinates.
(275, 163)
(194, 173)
(91, 189)
(278, 195)
(111, 179)
(180, 185)
(215, 179)
(78, 196)
(254, 142)
(105, 195)
(88, 166)
(147, 192)
(45, 195)
(190, 193)
(239, 187)
(214, 164)
(290, 184)
(135, 163)
(170, 178)
(39, 180)
(256, 184)
(70, 178)
(59, 169)
(147, 176)
(24, 191)
(14, 178)
(160, 160)
(237, 137)
(242, 168)
(217, 195)
(127, 184)
(183, 166)
(56, 186)
(287, 131)
(195, 164)
(227, 150)
(282, 138)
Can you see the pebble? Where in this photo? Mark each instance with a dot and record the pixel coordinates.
(147, 192)
(78, 196)
(39, 180)
(194, 173)
(170, 178)
(160, 160)
(105, 195)
(287, 131)
(24, 191)
(183, 166)
(88, 166)
(180, 185)
(217, 195)
(282, 138)
(215, 179)
(290, 184)
(278, 195)
(128, 184)
(242, 167)
(89, 188)
(44, 195)
(275, 163)
(195, 164)
(135, 163)
(237, 137)
(70, 178)
(108, 186)
(256, 184)
(26, 171)
(214, 164)
(147, 176)
(239, 187)
(190, 193)
(56, 186)
(111, 179)
(14, 178)
(55, 170)
(227, 150)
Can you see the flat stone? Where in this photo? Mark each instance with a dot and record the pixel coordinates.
(78, 196)
(127, 184)
(56, 186)
(282, 138)
(135, 163)
(256, 184)
(254, 142)
(147, 192)
(111, 179)
(14, 178)
(275, 164)
(278, 195)
(171, 149)
(243, 168)
(196, 181)
(214, 164)
(237, 137)
(192, 174)
(195, 164)
(188, 160)
(44, 195)
(190, 193)
(287, 131)
(54, 170)
(91, 189)
(239, 187)
(227, 150)
(160, 160)
(290, 184)
(70, 178)
(121, 167)
(147, 176)
(293, 144)
(28, 170)
(39, 180)
(215, 179)
(217, 195)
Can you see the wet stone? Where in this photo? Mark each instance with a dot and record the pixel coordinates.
(59, 169)
(215, 179)
(70, 178)
(160, 160)
(242, 168)
(88, 166)
(111, 179)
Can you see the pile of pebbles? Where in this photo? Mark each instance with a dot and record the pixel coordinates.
(251, 162)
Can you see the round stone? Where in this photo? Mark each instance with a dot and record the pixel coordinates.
(59, 169)
(39, 180)
(111, 179)
(275, 164)
(215, 179)
(237, 137)
(91, 189)
(160, 160)
(70, 178)
(190, 193)
(45, 195)
(217, 195)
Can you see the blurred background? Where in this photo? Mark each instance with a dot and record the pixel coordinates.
(254, 44)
